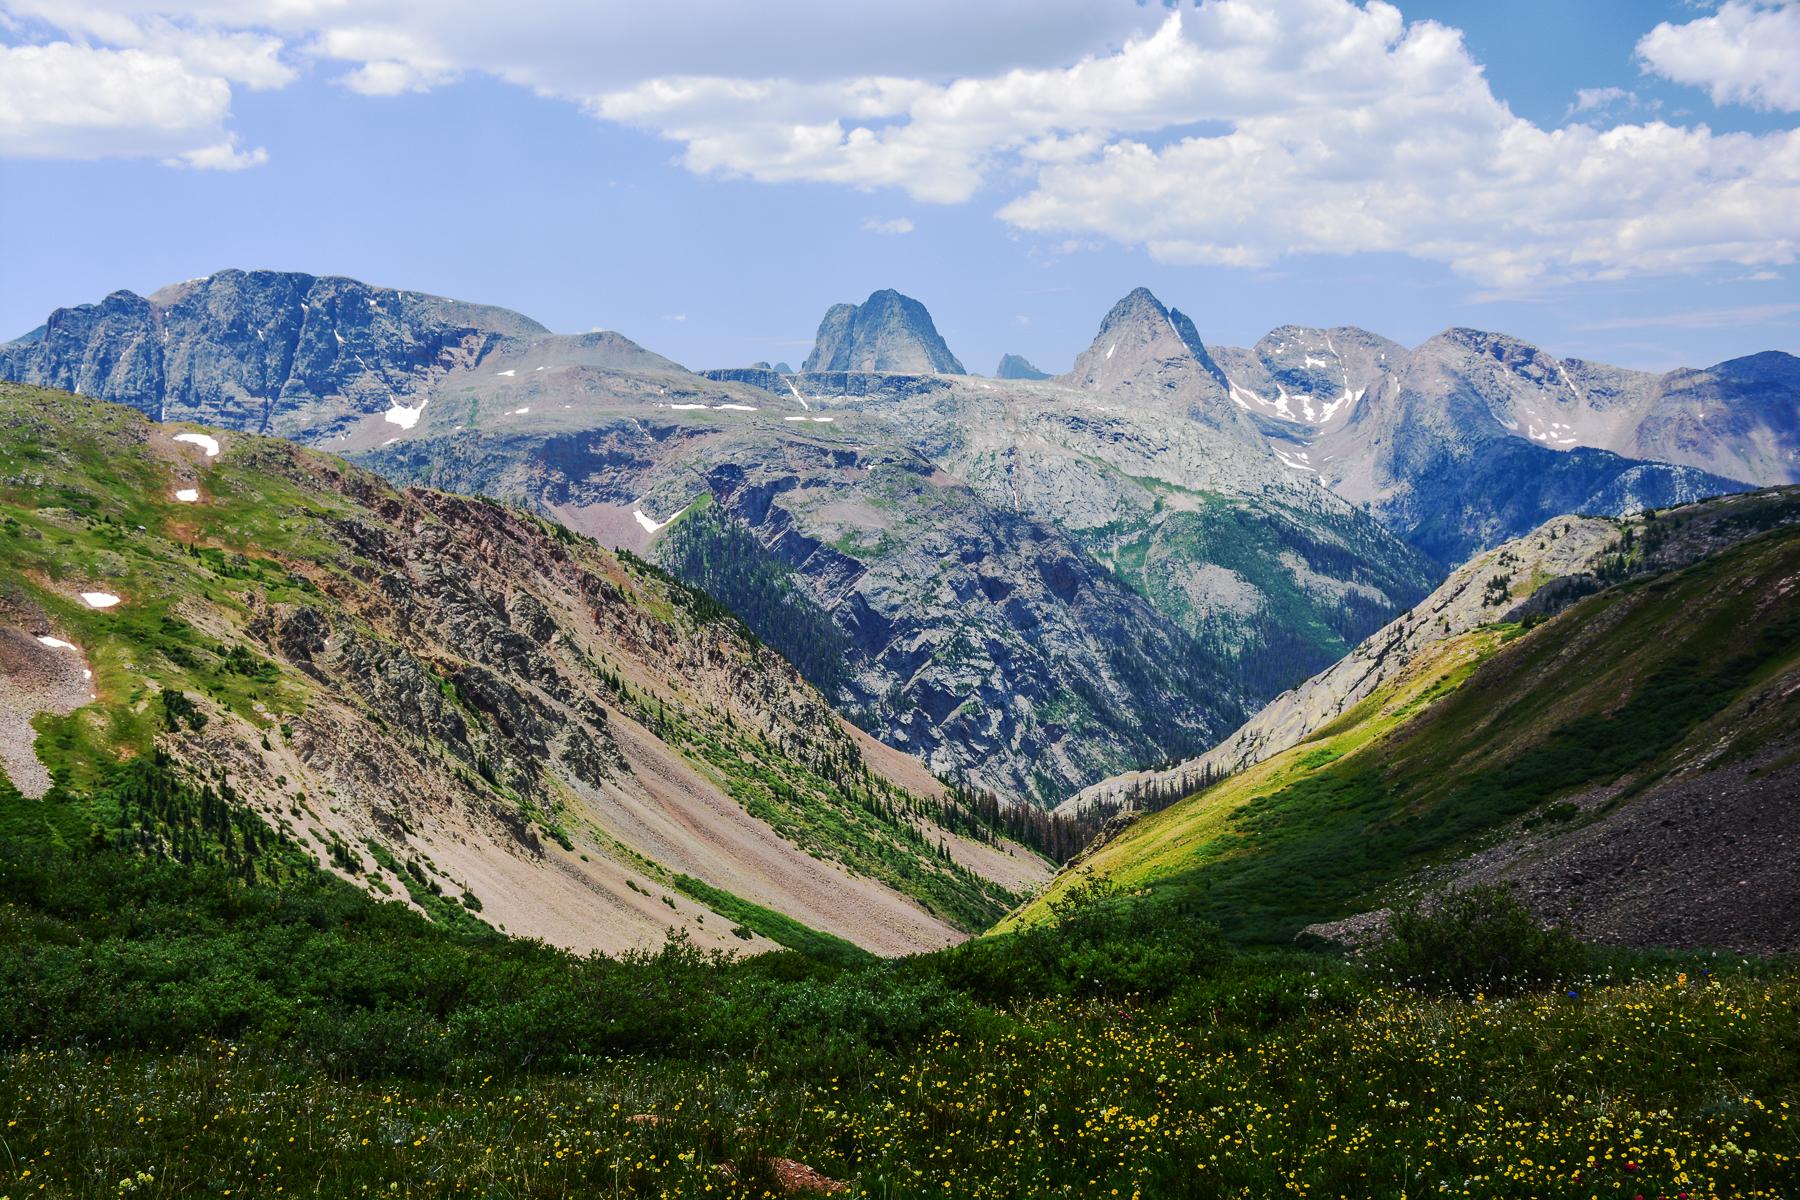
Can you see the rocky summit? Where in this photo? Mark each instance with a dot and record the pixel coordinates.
(1013, 366)
(887, 333)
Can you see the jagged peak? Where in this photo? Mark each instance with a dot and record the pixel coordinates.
(1017, 366)
(888, 333)
(1140, 337)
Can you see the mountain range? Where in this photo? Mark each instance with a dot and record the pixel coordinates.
(1030, 583)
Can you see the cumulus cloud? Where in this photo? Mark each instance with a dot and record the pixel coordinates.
(154, 89)
(67, 101)
(1233, 132)
(891, 226)
(1746, 53)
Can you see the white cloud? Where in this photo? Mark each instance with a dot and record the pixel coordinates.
(68, 101)
(1609, 99)
(1746, 53)
(892, 226)
(1232, 132)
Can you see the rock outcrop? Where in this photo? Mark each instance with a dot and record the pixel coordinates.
(887, 333)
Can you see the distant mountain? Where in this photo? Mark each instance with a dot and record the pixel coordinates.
(986, 637)
(438, 697)
(887, 333)
(1140, 455)
(1568, 714)
(1037, 583)
(1012, 366)
(1471, 438)
(312, 357)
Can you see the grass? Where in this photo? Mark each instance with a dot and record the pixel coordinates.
(174, 1030)
(1655, 1088)
(282, 527)
(1486, 729)
(779, 928)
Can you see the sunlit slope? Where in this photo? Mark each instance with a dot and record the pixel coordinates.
(445, 700)
(1490, 736)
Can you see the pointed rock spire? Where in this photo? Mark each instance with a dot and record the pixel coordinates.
(887, 333)
(1143, 343)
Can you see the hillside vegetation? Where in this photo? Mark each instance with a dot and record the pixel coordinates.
(440, 698)
(1522, 731)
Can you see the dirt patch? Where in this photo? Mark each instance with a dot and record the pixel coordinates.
(673, 814)
(35, 676)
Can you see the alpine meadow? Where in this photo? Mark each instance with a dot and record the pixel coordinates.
(1320, 719)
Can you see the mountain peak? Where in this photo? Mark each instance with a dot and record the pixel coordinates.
(1141, 340)
(888, 333)
(1016, 366)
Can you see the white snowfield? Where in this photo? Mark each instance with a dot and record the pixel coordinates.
(816, 420)
(737, 407)
(403, 416)
(206, 442)
(517, 412)
(56, 643)
(187, 495)
(507, 373)
(99, 599)
(684, 407)
(649, 524)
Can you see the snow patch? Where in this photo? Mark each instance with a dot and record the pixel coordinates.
(818, 420)
(1111, 348)
(517, 412)
(736, 407)
(205, 441)
(99, 599)
(1291, 464)
(187, 495)
(56, 643)
(649, 525)
(404, 417)
(684, 407)
(509, 372)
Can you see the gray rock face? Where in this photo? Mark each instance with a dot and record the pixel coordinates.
(1013, 366)
(982, 641)
(1560, 548)
(1740, 419)
(1474, 437)
(888, 332)
(274, 352)
(1536, 575)
(1140, 455)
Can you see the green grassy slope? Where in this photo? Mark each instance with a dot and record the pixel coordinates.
(195, 686)
(1491, 728)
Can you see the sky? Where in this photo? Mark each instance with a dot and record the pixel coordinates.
(1617, 180)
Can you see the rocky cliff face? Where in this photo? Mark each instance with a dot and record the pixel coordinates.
(276, 352)
(1143, 458)
(985, 642)
(559, 734)
(888, 332)
(1534, 576)
(1475, 437)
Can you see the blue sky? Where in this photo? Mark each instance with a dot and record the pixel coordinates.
(1261, 163)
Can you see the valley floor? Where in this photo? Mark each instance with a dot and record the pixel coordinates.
(1289, 1078)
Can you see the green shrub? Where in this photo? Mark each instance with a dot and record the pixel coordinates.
(1101, 944)
(1481, 940)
